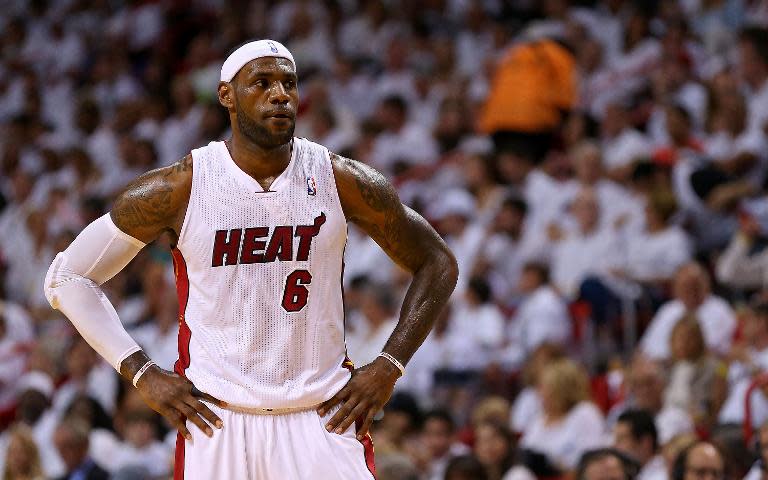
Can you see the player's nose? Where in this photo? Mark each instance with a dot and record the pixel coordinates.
(278, 94)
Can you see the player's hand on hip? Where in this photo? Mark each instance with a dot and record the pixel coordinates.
(362, 397)
(176, 398)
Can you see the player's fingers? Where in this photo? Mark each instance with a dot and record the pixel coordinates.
(347, 422)
(178, 420)
(341, 414)
(332, 402)
(208, 397)
(193, 417)
(366, 425)
(206, 412)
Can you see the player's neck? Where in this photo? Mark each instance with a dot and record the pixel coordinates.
(257, 161)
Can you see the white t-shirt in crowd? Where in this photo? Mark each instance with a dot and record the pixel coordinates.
(715, 316)
(365, 344)
(626, 147)
(655, 469)
(483, 326)
(739, 380)
(656, 255)
(541, 317)
(527, 405)
(579, 255)
(582, 429)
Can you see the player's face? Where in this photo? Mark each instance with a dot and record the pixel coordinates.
(266, 98)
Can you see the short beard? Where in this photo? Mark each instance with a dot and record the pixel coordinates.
(258, 133)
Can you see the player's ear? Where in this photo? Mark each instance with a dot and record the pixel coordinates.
(226, 95)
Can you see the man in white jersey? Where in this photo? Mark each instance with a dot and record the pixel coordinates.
(258, 224)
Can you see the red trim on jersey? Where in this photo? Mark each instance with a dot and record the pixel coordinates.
(367, 442)
(178, 463)
(182, 289)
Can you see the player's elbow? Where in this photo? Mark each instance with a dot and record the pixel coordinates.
(449, 267)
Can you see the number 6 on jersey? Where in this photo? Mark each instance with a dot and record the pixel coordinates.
(296, 292)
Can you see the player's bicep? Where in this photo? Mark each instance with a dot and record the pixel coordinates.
(154, 202)
(371, 202)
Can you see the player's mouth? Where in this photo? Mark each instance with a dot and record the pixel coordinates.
(280, 115)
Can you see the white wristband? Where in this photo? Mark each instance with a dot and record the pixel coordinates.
(141, 371)
(394, 361)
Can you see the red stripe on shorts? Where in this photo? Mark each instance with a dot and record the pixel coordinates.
(367, 442)
(178, 462)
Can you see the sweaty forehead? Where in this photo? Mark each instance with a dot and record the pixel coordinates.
(269, 65)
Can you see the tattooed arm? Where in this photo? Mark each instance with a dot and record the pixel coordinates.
(371, 202)
(153, 204)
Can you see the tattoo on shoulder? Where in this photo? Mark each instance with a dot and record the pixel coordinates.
(391, 230)
(372, 185)
(148, 200)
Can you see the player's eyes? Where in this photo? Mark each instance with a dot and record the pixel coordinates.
(290, 84)
(261, 83)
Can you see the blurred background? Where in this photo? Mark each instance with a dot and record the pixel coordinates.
(598, 168)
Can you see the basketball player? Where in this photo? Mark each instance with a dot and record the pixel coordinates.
(258, 227)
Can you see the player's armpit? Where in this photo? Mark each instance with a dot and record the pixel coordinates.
(155, 202)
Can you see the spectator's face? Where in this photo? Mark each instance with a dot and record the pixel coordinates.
(139, 433)
(608, 468)
(80, 359)
(686, 343)
(750, 64)
(437, 437)
(691, 286)
(586, 210)
(72, 450)
(624, 441)
(647, 386)
(19, 459)
(509, 220)
(530, 280)
(755, 325)
(490, 447)
(32, 405)
(704, 463)
(764, 443)
(262, 100)
(588, 166)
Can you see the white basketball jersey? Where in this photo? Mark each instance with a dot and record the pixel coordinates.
(259, 281)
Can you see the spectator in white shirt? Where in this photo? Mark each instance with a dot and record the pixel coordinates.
(378, 311)
(622, 144)
(569, 424)
(402, 144)
(739, 266)
(542, 317)
(758, 471)
(753, 60)
(691, 290)
(635, 435)
(439, 438)
(748, 357)
(588, 250)
(645, 383)
(478, 322)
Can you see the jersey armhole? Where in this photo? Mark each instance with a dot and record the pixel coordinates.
(190, 202)
(336, 188)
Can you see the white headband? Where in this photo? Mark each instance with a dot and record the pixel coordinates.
(252, 51)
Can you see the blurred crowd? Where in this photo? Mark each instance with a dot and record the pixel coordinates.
(598, 167)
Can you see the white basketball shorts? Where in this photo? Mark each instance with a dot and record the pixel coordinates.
(292, 446)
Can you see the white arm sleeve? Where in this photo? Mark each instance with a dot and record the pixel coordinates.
(72, 286)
